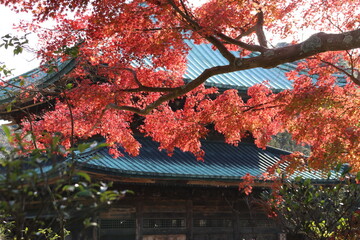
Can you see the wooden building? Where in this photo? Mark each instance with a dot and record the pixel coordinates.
(178, 197)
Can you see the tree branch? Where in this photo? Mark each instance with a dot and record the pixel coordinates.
(133, 72)
(317, 43)
(260, 30)
(241, 44)
(143, 88)
(222, 49)
(151, 89)
(246, 33)
(206, 74)
(196, 27)
(352, 77)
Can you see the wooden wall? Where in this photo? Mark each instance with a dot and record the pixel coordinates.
(173, 212)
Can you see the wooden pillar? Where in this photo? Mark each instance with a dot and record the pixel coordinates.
(139, 218)
(189, 219)
(236, 224)
(236, 227)
(96, 230)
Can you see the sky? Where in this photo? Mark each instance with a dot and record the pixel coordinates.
(25, 61)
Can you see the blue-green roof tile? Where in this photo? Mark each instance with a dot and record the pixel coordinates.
(221, 161)
(203, 56)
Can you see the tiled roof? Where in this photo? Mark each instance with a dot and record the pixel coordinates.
(203, 56)
(221, 162)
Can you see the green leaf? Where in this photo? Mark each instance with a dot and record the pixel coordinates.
(7, 131)
(69, 188)
(8, 108)
(83, 146)
(69, 86)
(100, 145)
(17, 50)
(84, 175)
(338, 167)
(85, 193)
(88, 223)
(358, 176)
(298, 179)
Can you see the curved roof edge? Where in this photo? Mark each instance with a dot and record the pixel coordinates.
(222, 162)
(36, 77)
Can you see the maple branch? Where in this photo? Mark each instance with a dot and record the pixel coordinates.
(154, 29)
(351, 61)
(352, 77)
(246, 33)
(318, 43)
(256, 108)
(241, 44)
(31, 128)
(206, 74)
(260, 30)
(150, 89)
(133, 72)
(196, 27)
(185, 8)
(143, 88)
(71, 118)
(222, 49)
(333, 24)
(99, 118)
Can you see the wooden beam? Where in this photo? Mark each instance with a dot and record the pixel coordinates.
(139, 218)
(200, 182)
(189, 219)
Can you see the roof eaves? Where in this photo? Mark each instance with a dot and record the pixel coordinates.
(156, 175)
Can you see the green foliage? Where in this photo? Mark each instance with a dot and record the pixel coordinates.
(4, 70)
(41, 190)
(49, 234)
(72, 52)
(327, 211)
(15, 42)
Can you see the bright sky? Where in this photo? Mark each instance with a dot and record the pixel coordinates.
(23, 62)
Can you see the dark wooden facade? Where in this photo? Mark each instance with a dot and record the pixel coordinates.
(175, 212)
(179, 198)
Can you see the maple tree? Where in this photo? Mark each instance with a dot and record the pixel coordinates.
(131, 58)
